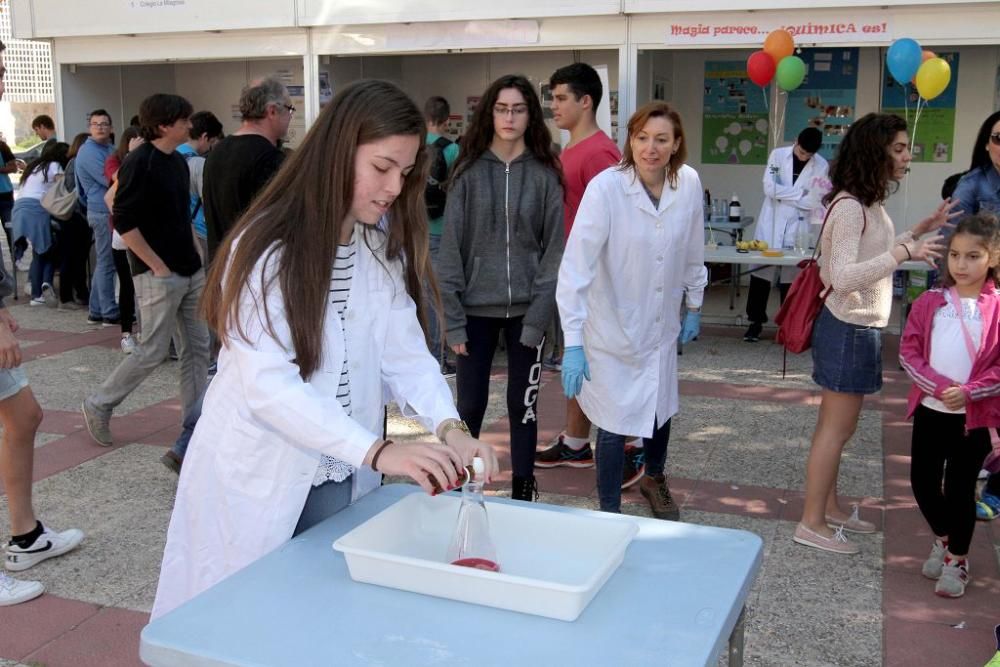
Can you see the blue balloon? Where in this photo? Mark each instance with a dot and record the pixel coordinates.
(903, 59)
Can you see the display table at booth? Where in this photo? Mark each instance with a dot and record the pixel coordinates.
(677, 599)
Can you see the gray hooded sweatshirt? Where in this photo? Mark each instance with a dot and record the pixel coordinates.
(501, 245)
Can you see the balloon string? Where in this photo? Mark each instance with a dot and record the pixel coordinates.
(913, 138)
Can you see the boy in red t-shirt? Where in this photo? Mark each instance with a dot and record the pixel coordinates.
(576, 94)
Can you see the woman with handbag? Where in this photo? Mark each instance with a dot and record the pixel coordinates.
(33, 222)
(859, 251)
(75, 238)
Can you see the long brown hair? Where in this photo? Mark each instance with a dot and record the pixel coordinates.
(479, 137)
(301, 211)
(639, 120)
(863, 166)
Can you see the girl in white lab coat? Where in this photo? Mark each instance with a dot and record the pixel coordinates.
(637, 250)
(795, 182)
(315, 308)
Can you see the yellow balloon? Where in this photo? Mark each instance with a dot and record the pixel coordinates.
(932, 78)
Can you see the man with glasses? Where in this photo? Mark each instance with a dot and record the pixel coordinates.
(92, 185)
(241, 164)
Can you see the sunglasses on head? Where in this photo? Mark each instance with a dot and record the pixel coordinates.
(995, 138)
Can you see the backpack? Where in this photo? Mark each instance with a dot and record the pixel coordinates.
(805, 298)
(434, 192)
(195, 199)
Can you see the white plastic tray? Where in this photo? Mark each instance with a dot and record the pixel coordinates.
(551, 564)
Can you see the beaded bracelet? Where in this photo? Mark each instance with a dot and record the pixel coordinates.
(908, 255)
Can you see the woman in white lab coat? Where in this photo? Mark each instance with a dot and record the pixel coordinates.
(795, 182)
(315, 308)
(637, 250)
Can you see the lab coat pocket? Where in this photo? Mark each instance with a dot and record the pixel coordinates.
(617, 335)
(248, 457)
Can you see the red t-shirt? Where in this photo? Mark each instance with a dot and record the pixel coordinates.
(581, 163)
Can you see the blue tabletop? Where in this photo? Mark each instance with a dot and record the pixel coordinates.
(674, 601)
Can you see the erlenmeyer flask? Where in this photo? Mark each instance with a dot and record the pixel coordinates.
(471, 543)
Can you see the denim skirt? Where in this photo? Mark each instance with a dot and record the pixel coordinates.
(847, 358)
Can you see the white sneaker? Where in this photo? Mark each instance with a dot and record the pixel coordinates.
(15, 591)
(48, 545)
(129, 343)
(934, 563)
(37, 301)
(49, 296)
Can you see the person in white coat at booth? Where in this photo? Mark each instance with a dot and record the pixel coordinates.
(314, 305)
(795, 182)
(636, 252)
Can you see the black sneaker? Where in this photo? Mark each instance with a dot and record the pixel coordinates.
(635, 465)
(95, 319)
(561, 454)
(753, 332)
(111, 321)
(448, 370)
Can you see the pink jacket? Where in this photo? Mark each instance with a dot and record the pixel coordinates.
(982, 391)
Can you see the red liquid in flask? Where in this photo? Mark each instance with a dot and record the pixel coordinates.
(477, 564)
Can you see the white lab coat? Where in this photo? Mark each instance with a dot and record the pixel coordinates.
(785, 202)
(257, 446)
(623, 275)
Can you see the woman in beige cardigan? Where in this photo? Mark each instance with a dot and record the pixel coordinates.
(859, 253)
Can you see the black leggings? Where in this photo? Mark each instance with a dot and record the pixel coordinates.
(75, 238)
(524, 370)
(126, 295)
(942, 451)
(757, 296)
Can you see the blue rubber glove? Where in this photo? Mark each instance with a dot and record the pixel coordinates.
(574, 370)
(691, 326)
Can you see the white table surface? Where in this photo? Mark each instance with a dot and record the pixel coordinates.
(727, 254)
(674, 601)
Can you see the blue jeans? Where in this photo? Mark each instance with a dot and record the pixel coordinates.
(187, 427)
(102, 284)
(323, 502)
(42, 270)
(433, 328)
(609, 457)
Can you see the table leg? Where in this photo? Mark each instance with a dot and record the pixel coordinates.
(736, 641)
(733, 280)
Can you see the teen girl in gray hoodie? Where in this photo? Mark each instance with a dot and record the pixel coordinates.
(500, 252)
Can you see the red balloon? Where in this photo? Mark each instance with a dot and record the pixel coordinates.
(760, 68)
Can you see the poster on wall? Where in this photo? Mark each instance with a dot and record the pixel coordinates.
(827, 98)
(455, 126)
(734, 122)
(934, 135)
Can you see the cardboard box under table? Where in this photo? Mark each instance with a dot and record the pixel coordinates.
(676, 599)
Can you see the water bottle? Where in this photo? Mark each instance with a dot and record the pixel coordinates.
(471, 544)
(735, 209)
(802, 236)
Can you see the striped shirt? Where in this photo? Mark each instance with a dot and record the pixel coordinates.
(331, 469)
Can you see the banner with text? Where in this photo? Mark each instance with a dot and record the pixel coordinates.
(753, 31)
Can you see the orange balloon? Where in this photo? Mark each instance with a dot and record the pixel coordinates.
(779, 44)
(927, 55)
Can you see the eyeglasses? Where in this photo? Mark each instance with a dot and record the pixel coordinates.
(290, 107)
(101, 126)
(995, 138)
(504, 110)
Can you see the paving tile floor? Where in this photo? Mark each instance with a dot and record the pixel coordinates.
(736, 460)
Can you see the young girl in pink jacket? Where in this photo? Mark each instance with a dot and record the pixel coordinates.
(951, 350)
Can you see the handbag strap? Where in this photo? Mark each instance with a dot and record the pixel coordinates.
(864, 217)
(969, 345)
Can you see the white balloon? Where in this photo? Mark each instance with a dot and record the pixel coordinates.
(734, 128)
(762, 125)
(745, 146)
(721, 143)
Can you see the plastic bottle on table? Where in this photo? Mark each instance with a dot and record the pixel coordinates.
(471, 544)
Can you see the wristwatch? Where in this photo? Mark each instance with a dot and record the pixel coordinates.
(449, 425)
